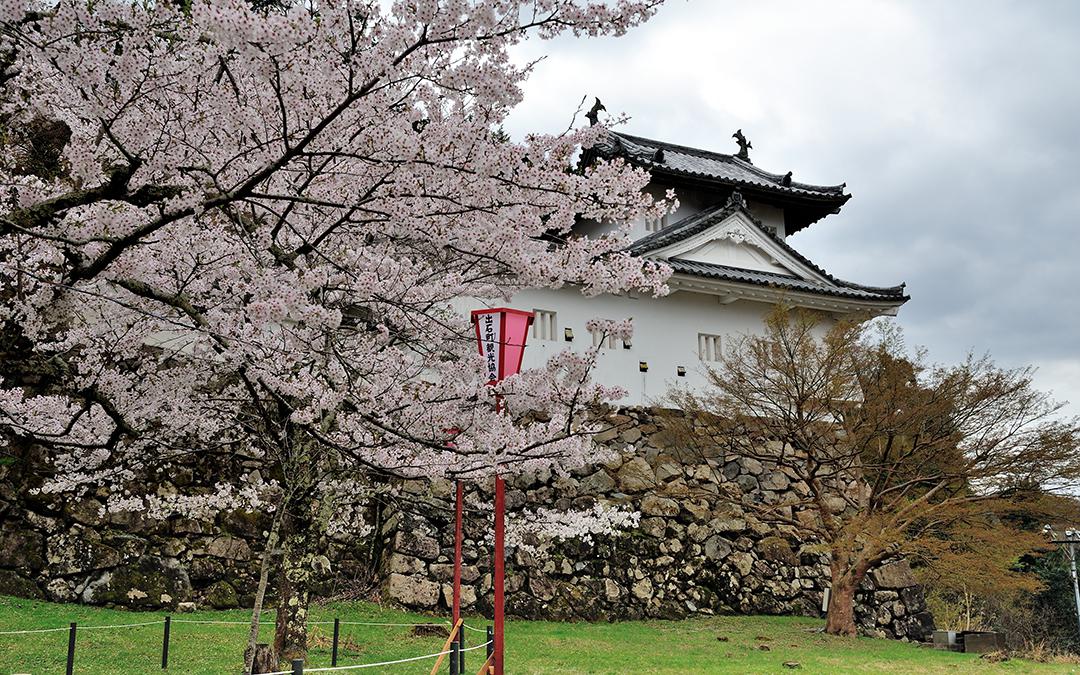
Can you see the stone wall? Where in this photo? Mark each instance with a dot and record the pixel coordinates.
(698, 548)
(56, 548)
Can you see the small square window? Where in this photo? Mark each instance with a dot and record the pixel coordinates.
(708, 347)
(545, 325)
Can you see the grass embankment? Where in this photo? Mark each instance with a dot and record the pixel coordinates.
(705, 645)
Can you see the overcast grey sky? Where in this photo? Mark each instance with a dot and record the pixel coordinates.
(956, 126)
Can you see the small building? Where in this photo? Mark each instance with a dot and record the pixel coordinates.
(727, 246)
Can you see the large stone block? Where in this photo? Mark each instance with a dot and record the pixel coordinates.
(642, 589)
(742, 562)
(612, 590)
(541, 587)
(717, 548)
(445, 572)
(894, 575)
(668, 469)
(22, 548)
(221, 595)
(13, 584)
(468, 595)
(654, 527)
(149, 583)
(774, 480)
(416, 544)
(636, 475)
(598, 482)
(653, 505)
(777, 549)
(79, 550)
(411, 591)
(229, 548)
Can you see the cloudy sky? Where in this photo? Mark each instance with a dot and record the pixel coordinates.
(956, 126)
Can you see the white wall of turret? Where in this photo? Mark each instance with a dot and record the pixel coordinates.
(677, 333)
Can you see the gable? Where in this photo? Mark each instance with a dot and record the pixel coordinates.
(737, 241)
(733, 254)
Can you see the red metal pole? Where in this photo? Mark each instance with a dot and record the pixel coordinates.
(458, 534)
(500, 510)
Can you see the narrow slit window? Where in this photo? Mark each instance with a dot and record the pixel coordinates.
(708, 347)
(601, 340)
(655, 224)
(545, 325)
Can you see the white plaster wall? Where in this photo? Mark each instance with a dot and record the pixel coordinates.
(770, 216)
(665, 335)
(665, 329)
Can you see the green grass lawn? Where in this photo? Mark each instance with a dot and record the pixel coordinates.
(690, 646)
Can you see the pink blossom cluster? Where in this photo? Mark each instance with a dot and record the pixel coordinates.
(262, 224)
(535, 530)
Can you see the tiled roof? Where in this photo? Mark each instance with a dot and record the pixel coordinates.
(691, 225)
(662, 157)
(842, 289)
(699, 222)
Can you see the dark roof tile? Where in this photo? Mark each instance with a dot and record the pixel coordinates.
(724, 272)
(661, 156)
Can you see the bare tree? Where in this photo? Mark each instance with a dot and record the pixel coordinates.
(886, 449)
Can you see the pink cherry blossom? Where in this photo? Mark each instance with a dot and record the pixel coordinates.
(262, 234)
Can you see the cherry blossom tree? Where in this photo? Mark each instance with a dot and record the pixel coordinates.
(255, 239)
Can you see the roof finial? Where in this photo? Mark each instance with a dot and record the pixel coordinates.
(594, 113)
(744, 146)
(735, 200)
(786, 180)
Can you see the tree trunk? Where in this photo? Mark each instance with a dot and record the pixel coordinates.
(840, 619)
(294, 594)
(262, 659)
(304, 518)
(260, 595)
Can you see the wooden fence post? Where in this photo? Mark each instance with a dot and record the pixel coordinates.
(165, 644)
(333, 650)
(461, 647)
(71, 649)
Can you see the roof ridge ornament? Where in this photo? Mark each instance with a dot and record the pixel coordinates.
(744, 146)
(594, 113)
(735, 200)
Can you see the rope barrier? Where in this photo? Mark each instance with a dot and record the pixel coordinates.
(364, 665)
(125, 625)
(221, 623)
(475, 630)
(479, 646)
(37, 630)
(375, 665)
(366, 623)
(215, 623)
(439, 655)
(82, 628)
